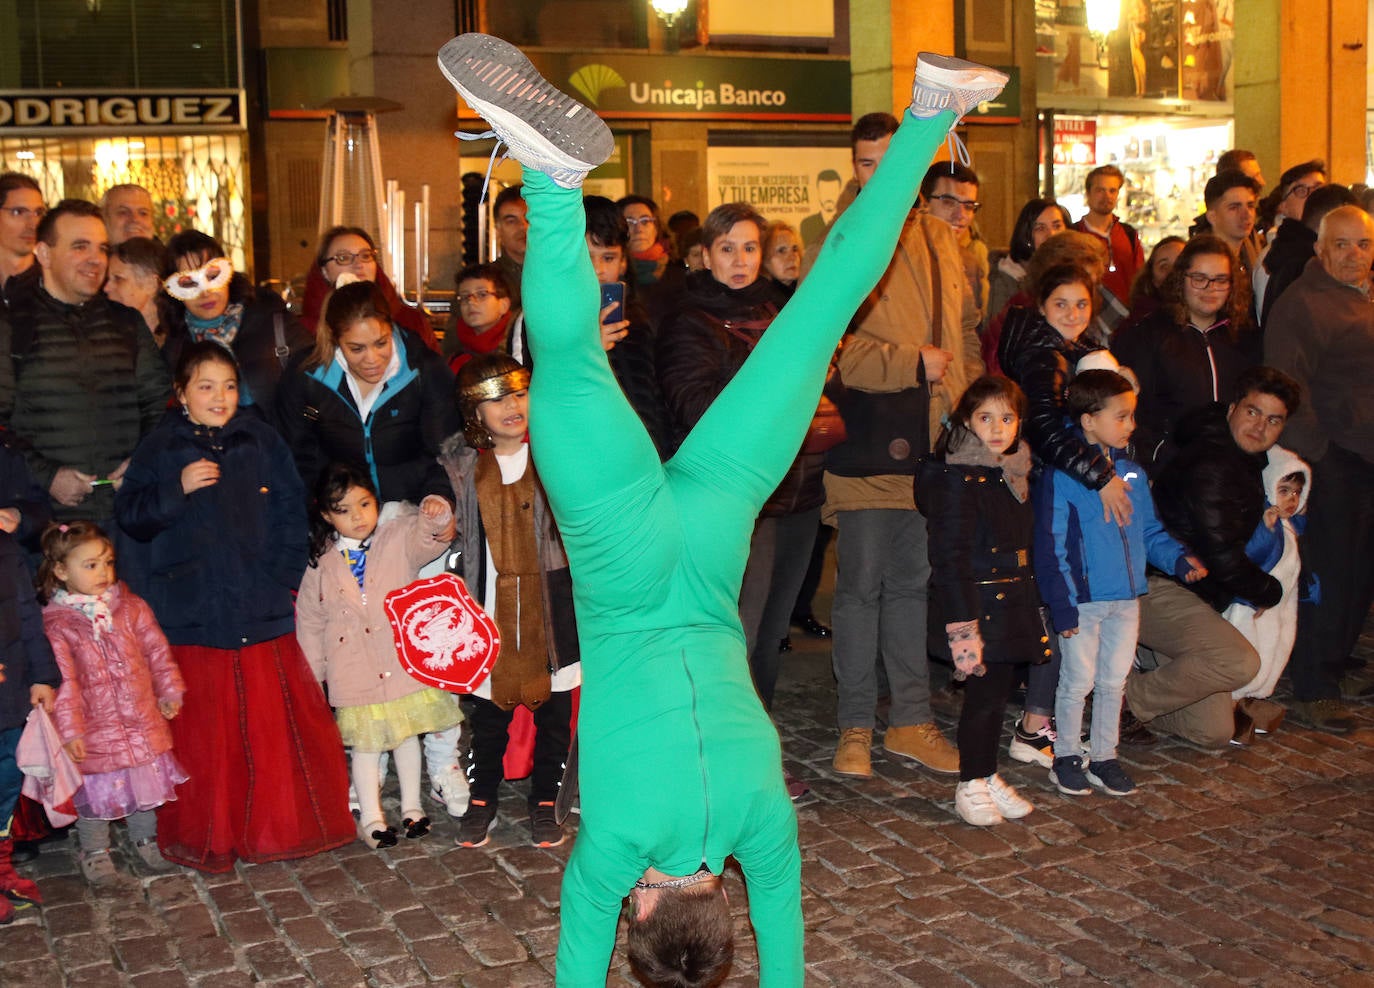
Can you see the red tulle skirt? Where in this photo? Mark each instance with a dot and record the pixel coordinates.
(268, 779)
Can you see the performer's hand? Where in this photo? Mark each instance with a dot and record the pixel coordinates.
(201, 473)
(936, 361)
(42, 695)
(76, 749)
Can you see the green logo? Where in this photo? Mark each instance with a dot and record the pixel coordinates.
(592, 80)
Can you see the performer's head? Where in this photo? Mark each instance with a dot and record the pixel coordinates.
(484, 379)
(680, 935)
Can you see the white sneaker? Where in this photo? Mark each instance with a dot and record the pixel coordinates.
(450, 787)
(974, 803)
(945, 83)
(1010, 803)
(544, 128)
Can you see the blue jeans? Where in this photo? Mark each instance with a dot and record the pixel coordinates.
(1096, 660)
(11, 779)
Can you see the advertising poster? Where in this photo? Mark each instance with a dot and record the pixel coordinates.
(798, 185)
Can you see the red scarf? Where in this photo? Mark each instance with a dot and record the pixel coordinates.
(472, 343)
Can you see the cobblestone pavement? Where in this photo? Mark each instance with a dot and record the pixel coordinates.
(1254, 866)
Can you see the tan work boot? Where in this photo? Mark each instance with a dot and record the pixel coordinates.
(852, 757)
(925, 743)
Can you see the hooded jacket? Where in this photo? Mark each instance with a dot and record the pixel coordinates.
(1210, 496)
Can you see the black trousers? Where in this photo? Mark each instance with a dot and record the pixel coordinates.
(489, 724)
(1338, 546)
(980, 723)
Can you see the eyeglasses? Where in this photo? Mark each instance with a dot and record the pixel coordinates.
(972, 205)
(637, 221)
(343, 258)
(1302, 191)
(24, 212)
(479, 296)
(1202, 282)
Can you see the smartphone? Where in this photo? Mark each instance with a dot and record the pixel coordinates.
(613, 294)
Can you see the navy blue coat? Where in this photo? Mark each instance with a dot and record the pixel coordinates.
(217, 566)
(24, 649)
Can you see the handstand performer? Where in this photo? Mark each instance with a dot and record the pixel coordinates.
(680, 765)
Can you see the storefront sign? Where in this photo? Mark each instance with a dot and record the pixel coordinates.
(798, 185)
(1075, 141)
(624, 86)
(95, 111)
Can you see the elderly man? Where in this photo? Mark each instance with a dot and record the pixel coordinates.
(83, 380)
(1322, 332)
(128, 212)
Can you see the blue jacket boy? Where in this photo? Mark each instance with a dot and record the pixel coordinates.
(1081, 558)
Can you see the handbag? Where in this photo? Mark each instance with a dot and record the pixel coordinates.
(826, 430)
(50, 775)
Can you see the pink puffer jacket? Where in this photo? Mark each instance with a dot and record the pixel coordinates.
(111, 687)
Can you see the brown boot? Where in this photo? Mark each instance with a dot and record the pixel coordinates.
(926, 744)
(853, 756)
(1266, 714)
(1244, 735)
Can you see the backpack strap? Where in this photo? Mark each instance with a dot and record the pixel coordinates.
(282, 351)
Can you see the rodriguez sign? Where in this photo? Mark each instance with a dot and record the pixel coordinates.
(46, 111)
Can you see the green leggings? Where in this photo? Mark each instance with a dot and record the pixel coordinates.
(679, 763)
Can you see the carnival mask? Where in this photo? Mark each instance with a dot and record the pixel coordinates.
(184, 286)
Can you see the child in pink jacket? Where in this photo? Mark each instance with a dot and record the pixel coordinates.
(355, 561)
(120, 686)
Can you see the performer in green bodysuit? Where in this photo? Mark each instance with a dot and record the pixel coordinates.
(680, 766)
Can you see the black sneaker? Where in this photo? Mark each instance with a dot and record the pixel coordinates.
(545, 830)
(476, 825)
(1067, 776)
(1110, 777)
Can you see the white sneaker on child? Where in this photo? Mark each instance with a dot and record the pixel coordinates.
(974, 803)
(1010, 803)
(450, 787)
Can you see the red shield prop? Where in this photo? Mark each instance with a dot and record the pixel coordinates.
(443, 638)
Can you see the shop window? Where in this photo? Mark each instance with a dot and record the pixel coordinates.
(570, 23)
(197, 181)
(337, 11)
(120, 44)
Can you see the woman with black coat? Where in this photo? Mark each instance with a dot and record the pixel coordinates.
(215, 302)
(370, 394)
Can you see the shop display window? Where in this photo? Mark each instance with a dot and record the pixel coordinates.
(197, 181)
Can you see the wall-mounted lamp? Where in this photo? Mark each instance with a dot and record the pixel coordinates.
(668, 10)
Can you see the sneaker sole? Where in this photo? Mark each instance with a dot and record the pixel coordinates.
(920, 761)
(438, 797)
(1066, 790)
(1097, 783)
(1028, 754)
(525, 109)
(486, 837)
(550, 843)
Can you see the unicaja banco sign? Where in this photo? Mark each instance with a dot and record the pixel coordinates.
(702, 87)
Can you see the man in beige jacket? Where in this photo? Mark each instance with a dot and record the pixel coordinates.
(912, 351)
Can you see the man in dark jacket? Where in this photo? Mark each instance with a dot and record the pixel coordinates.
(1322, 332)
(1296, 243)
(1210, 497)
(81, 380)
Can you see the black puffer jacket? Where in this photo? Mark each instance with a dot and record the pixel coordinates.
(1033, 354)
(1176, 374)
(85, 383)
(632, 363)
(254, 346)
(1210, 497)
(398, 442)
(1294, 245)
(704, 344)
(24, 650)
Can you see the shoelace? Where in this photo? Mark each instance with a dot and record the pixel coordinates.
(491, 162)
(956, 146)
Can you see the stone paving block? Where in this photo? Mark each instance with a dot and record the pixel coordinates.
(159, 979)
(204, 955)
(334, 967)
(352, 916)
(83, 949)
(287, 904)
(1102, 963)
(522, 916)
(1237, 962)
(989, 975)
(233, 898)
(443, 958)
(141, 954)
(492, 944)
(401, 972)
(372, 947)
(94, 975)
(272, 961)
(310, 934)
(1344, 924)
(524, 975)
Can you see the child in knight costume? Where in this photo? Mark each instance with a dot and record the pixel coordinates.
(513, 562)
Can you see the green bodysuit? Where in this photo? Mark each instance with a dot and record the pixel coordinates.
(679, 763)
